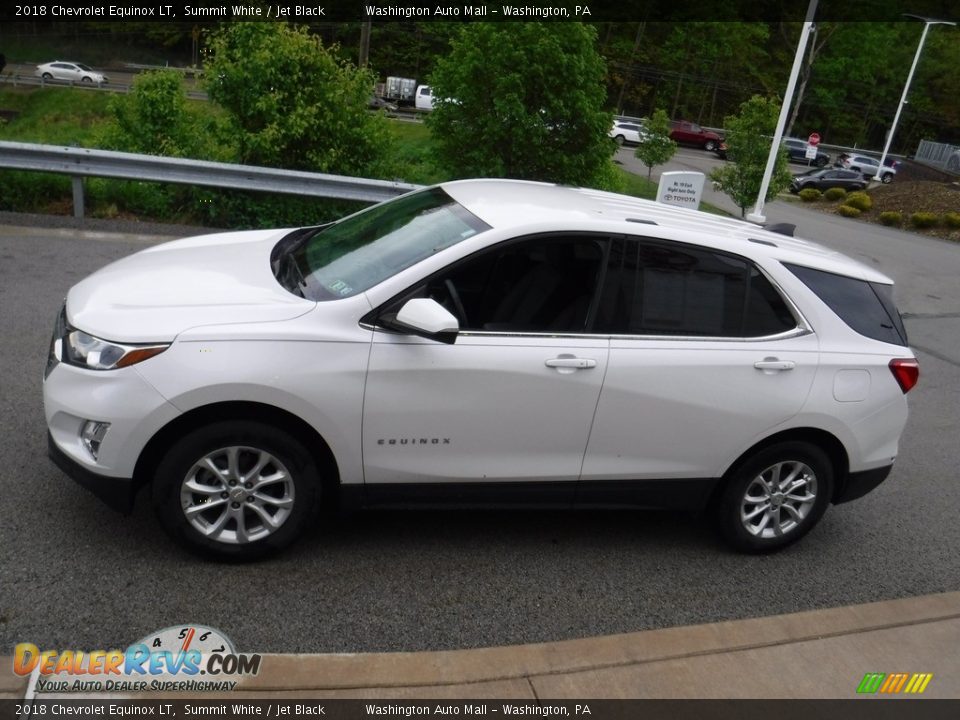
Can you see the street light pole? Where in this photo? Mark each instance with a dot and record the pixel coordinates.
(906, 88)
(757, 214)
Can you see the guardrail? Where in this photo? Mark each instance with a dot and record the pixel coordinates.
(80, 163)
(18, 80)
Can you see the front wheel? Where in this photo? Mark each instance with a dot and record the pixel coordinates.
(47, 76)
(776, 497)
(887, 179)
(86, 79)
(709, 145)
(236, 490)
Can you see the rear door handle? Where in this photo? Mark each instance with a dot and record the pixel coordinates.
(570, 363)
(772, 365)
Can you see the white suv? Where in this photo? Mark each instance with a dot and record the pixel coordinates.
(477, 341)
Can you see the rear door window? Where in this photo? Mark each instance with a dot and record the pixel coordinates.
(661, 288)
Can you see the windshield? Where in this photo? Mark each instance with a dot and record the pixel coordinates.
(83, 67)
(362, 250)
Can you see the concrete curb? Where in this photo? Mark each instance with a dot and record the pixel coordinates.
(814, 654)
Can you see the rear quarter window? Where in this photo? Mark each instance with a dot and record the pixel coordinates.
(866, 307)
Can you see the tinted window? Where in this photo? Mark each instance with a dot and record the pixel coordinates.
(865, 307)
(656, 288)
(539, 285)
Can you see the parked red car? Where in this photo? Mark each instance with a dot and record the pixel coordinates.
(689, 133)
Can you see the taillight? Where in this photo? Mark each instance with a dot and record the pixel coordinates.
(906, 371)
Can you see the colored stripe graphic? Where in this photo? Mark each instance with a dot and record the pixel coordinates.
(871, 682)
(918, 683)
(912, 683)
(894, 683)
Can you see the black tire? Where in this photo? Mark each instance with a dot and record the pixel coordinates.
(887, 178)
(619, 139)
(811, 463)
(47, 76)
(710, 145)
(86, 79)
(287, 458)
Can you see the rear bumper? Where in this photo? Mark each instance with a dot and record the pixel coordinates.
(118, 493)
(859, 484)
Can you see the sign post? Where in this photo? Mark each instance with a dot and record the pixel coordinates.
(681, 188)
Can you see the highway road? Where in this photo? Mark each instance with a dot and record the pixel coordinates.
(75, 574)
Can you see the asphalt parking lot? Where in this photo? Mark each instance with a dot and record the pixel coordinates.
(75, 574)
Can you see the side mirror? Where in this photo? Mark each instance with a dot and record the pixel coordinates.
(428, 318)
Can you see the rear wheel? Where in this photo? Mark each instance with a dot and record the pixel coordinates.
(776, 497)
(236, 490)
(619, 139)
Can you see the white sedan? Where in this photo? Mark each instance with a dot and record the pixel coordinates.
(71, 71)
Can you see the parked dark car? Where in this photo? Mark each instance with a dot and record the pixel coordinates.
(689, 133)
(826, 178)
(797, 152)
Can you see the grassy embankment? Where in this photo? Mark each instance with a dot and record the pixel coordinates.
(62, 116)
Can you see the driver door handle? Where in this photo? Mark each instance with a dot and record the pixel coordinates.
(570, 363)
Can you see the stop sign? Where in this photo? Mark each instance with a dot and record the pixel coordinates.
(814, 138)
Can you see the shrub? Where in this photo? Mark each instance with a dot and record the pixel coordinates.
(859, 200)
(923, 220)
(849, 211)
(809, 194)
(951, 220)
(891, 217)
(835, 194)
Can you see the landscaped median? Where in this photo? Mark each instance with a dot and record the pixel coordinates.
(930, 208)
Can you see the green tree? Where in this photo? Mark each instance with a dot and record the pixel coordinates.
(523, 100)
(153, 118)
(748, 144)
(293, 103)
(657, 147)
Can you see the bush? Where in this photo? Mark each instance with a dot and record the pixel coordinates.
(891, 217)
(849, 211)
(951, 220)
(809, 194)
(835, 194)
(923, 220)
(859, 200)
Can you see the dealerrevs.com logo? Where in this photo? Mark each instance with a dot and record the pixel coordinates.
(189, 658)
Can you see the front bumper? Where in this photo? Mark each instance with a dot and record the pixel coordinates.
(117, 492)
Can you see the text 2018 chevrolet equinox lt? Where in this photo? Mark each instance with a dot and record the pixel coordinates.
(478, 341)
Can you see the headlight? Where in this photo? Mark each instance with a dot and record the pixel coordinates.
(86, 351)
(81, 349)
